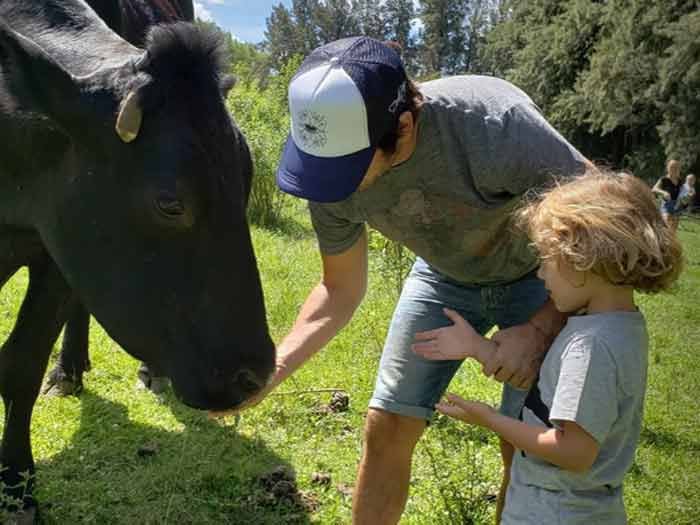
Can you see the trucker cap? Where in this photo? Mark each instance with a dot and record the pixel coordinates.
(345, 97)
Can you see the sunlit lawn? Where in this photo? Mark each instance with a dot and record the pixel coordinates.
(87, 448)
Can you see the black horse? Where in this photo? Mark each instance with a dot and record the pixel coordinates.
(123, 186)
(130, 19)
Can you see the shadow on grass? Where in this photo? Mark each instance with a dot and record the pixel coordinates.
(288, 226)
(668, 441)
(117, 471)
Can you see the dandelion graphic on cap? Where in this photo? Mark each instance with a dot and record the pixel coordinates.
(312, 129)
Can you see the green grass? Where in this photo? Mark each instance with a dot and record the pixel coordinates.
(86, 448)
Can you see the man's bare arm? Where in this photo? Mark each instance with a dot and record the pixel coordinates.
(326, 310)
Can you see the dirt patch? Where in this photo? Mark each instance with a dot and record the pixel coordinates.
(279, 487)
(147, 450)
(321, 478)
(345, 489)
(340, 402)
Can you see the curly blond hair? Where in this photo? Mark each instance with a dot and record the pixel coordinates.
(606, 223)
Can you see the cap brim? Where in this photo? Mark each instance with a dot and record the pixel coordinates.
(321, 179)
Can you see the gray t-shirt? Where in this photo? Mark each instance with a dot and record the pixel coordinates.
(482, 143)
(594, 375)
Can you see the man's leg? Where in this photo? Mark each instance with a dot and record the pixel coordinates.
(385, 468)
(407, 388)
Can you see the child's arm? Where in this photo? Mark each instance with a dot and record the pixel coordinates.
(570, 448)
(656, 190)
(458, 341)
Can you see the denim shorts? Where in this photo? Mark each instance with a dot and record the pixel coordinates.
(670, 208)
(410, 385)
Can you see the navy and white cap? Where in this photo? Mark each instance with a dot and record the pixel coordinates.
(345, 97)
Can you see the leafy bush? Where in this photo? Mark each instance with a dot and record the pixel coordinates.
(394, 261)
(261, 113)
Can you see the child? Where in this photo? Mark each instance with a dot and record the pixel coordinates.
(600, 237)
(687, 193)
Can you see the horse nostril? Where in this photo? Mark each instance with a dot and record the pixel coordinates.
(247, 382)
(169, 205)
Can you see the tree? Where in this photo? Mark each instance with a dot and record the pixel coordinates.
(280, 42)
(305, 19)
(453, 32)
(370, 17)
(398, 16)
(335, 20)
(482, 16)
(620, 78)
(678, 91)
(435, 34)
(248, 59)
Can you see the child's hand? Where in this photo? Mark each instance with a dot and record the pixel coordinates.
(473, 412)
(458, 341)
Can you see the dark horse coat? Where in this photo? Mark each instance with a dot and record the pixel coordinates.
(123, 185)
(130, 19)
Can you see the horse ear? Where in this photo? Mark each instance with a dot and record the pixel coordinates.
(226, 84)
(129, 118)
(37, 83)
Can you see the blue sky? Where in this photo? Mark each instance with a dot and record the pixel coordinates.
(244, 19)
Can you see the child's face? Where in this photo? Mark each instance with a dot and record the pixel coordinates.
(570, 289)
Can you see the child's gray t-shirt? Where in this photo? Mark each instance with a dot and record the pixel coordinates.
(482, 143)
(594, 375)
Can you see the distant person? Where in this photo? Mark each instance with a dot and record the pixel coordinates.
(668, 187)
(687, 193)
(600, 238)
(439, 167)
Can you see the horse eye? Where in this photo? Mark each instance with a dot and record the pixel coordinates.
(170, 206)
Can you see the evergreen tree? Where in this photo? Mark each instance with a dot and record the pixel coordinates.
(453, 31)
(434, 35)
(370, 18)
(619, 78)
(280, 38)
(399, 15)
(334, 19)
(678, 91)
(306, 34)
(482, 16)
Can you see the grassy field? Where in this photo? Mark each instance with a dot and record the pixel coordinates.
(91, 465)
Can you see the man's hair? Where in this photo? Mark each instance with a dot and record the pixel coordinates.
(606, 223)
(412, 102)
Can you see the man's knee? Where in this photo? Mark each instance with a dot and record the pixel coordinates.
(388, 434)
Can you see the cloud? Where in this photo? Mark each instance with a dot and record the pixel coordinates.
(202, 13)
(212, 2)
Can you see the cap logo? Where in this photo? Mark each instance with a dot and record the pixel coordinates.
(400, 98)
(311, 129)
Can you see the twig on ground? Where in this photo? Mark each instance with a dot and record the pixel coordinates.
(311, 391)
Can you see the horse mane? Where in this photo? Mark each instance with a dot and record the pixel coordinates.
(185, 55)
(139, 15)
